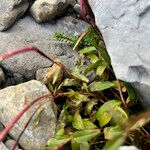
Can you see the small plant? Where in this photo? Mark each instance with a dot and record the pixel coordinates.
(94, 107)
(65, 38)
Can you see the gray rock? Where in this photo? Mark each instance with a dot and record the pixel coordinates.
(9, 82)
(13, 79)
(10, 143)
(128, 148)
(27, 32)
(1, 127)
(42, 126)
(40, 74)
(125, 25)
(72, 2)
(2, 146)
(46, 10)
(18, 78)
(10, 11)
(77, 8)
(2, 76)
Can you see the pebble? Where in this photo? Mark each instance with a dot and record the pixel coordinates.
(2, 76)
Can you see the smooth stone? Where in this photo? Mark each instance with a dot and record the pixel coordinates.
(128, 148)
(46, 10)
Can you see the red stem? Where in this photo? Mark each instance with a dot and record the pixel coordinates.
(85, 8)
(17, 141)
(18, 116)
(24, 50)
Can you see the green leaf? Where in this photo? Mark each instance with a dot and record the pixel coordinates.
(79, 146)
(93, 58)
(84, 146)
(75, 100)
(87, 50)
(74, 39)
(80, 138)
(108, 106)
(60, 132)
(112, 132)
(92, 66)
(100, 70)
(78, 124)
(84, 87)
(111, 111)
(75, 145)
(89, 106)
(100, 86)
(70, 93)
(106, 57)
(104, 118)
(85, 135)
(69, 119)
(57, 142)
(80, 76)
(67, 82)
(80, 97)
(115, 143)
(131, 92)
(88, 124)
(61, 123)
(119, 116)
(51, 88)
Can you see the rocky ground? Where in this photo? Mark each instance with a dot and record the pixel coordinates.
(32, 23)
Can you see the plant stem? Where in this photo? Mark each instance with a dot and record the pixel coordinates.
(26, 125)
(24, 50)
(80, 38)
(121, 95)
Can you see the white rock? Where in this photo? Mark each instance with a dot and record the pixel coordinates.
(128, 148)
(125, 25)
